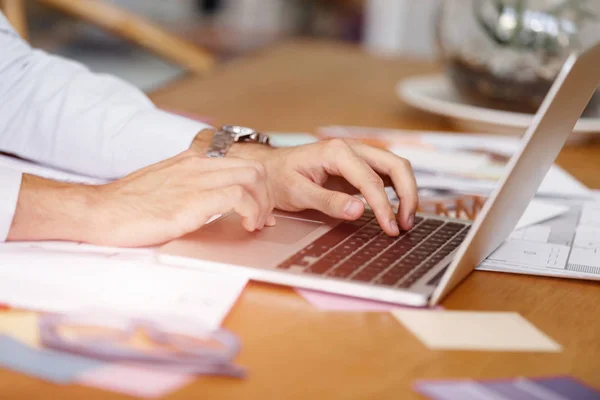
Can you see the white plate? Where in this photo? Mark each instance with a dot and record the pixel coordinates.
(435, 94)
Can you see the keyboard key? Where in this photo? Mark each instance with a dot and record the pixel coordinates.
(360, 251)
(320, 267)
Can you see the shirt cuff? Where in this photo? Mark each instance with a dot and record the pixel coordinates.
(10, 185)
(152, 136)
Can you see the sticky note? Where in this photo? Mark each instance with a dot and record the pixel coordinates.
(466, 330)
(134, 380)
(553, 388)
(333, 302)
(44, 364)
(22, 326)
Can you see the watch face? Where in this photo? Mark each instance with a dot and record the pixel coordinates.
(238, 130)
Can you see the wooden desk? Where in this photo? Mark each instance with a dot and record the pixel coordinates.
(295, 352)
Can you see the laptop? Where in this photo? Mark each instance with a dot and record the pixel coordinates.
(421, 266)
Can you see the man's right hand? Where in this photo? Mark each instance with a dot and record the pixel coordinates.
(151, 206)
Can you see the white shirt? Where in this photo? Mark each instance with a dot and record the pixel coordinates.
(56, 112)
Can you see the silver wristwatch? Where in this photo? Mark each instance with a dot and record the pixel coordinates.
(227, 135)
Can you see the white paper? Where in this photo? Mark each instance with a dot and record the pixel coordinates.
(74, 283)
(141, 253)
(567, 246)
(536, 233)
(471, 163)
(538, 211)
(466, 330)
(557, 183)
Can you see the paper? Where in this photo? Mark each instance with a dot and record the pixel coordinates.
(333, 302)
(145, 254)
(291, 139)
(134, 380)
(538, 211)
(567, 246)
(465, 330)
(44, 364)
(465, 163)
(22, 326)
(63, 368)
(71, 283)
(555, 388)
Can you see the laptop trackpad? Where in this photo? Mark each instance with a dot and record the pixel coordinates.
(287, 231)
(225, 240)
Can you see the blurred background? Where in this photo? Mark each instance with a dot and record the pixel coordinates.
(497, 54)
(232, 28)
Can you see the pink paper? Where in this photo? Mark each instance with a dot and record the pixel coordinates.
(333, 302)
(134, 380)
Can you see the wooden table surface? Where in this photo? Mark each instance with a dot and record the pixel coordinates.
(295, 352)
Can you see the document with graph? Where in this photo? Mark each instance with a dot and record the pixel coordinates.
(567, 246)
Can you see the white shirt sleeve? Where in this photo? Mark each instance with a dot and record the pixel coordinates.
(10, 183)
(56, 112)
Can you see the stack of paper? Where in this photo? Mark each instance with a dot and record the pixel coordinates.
(71, 283)
(465, 163)
(186, 301)
(567, 246)
(63, 368)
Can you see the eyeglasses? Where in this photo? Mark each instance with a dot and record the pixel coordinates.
(117, 338)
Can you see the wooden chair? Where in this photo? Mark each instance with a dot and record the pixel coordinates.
(121, 23)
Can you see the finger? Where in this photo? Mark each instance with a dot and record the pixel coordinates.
(335, 204)
(271, 221)
(403, 179)
(220, 201)
(251, 178)
(342, 160)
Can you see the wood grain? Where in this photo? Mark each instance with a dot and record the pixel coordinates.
(295, 352)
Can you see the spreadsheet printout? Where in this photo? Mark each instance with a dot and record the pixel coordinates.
(566, 246)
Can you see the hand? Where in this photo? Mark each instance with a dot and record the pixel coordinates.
(178, 196)
(308, 177)
(151, 206)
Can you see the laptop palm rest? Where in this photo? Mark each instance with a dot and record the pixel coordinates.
(226, 240)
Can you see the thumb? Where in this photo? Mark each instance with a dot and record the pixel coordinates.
(335, 204)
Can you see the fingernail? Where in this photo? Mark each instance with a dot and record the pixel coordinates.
(271, 221)
(411, 220)
(394, 227)
(353, 208)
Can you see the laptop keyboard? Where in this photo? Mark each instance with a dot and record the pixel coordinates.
(360, 251)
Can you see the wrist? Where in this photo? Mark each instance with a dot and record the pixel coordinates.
(201, 142)
(250, 151)
(49, 210)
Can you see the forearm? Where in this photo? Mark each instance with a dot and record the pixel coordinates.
(49, 210)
